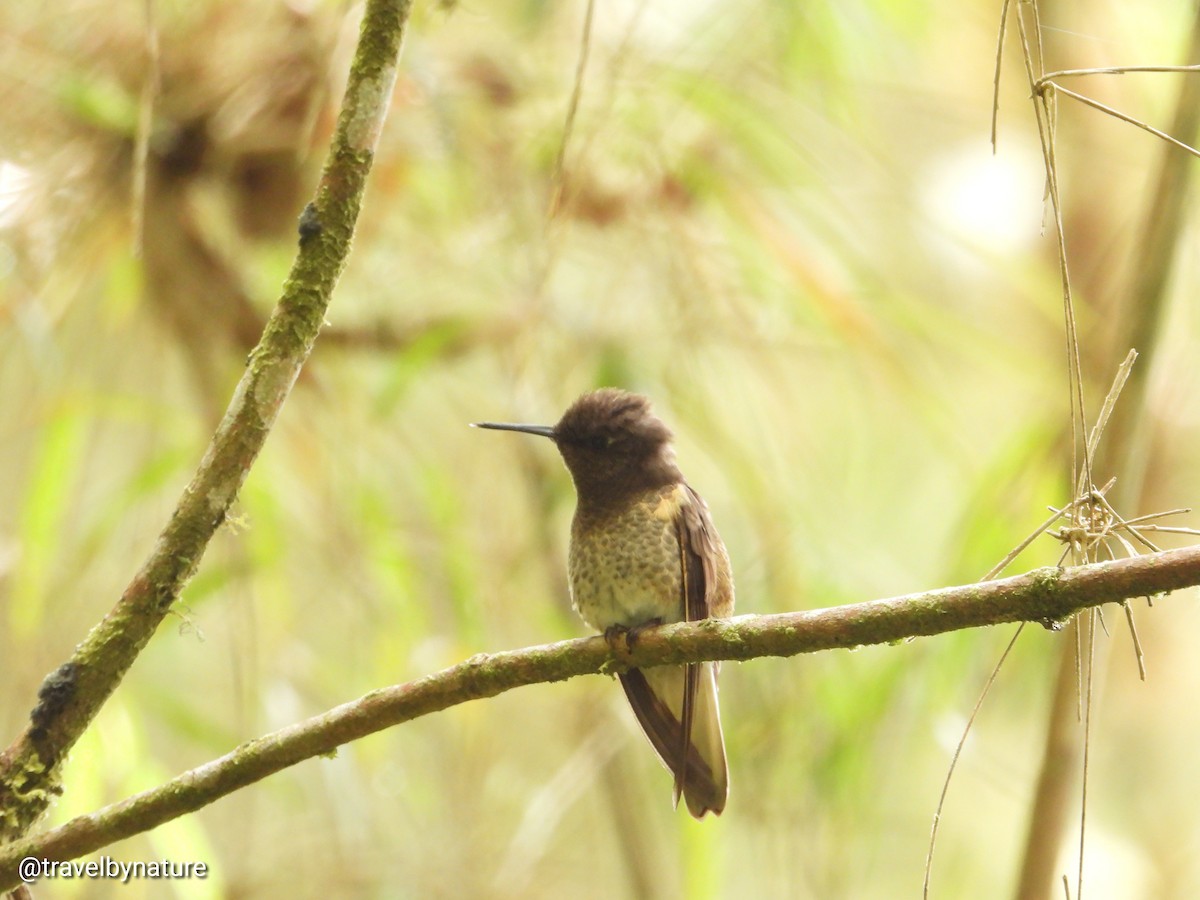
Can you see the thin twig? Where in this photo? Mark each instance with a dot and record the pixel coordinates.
(1137, 643)
(1033, 535)
(1158, 515)
(1045, 118)
(145, 125)
(558, 177)
(996, 76)
(962, 741)
(1113, 70)
(1096, 104)
(1110, 402)
(1108, 507)
(1087, 746)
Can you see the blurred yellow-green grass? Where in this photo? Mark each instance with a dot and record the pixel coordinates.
(784, 223)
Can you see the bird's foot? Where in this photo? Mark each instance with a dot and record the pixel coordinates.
(616, 635)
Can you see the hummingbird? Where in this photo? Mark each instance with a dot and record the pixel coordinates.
(644, 552)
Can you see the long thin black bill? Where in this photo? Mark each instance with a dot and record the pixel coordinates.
(543, 430)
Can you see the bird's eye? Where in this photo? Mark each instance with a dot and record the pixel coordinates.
(600, 441)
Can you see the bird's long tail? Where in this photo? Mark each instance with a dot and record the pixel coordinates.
(657, 698)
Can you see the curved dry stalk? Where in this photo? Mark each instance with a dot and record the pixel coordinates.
(962, 742)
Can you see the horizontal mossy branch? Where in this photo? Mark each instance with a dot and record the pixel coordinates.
(1048, 596)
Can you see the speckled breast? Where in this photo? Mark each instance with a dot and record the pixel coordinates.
(624, 565)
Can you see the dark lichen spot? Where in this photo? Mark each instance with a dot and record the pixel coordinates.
(54, 694)
(310, 223)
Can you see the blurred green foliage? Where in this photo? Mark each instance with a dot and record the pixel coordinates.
(780, 221)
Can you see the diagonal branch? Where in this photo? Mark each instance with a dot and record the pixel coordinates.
(70, 698)
(1049, 596)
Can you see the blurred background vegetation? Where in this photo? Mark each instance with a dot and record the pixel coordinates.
(781, 221)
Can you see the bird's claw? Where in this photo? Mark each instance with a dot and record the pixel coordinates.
(616, 635)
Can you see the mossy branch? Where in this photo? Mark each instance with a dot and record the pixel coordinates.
(1048, 596)
(70, 697)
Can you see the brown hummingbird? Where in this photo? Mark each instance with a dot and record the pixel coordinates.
(644, 552)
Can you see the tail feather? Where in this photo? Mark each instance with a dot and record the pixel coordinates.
(657, 698)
